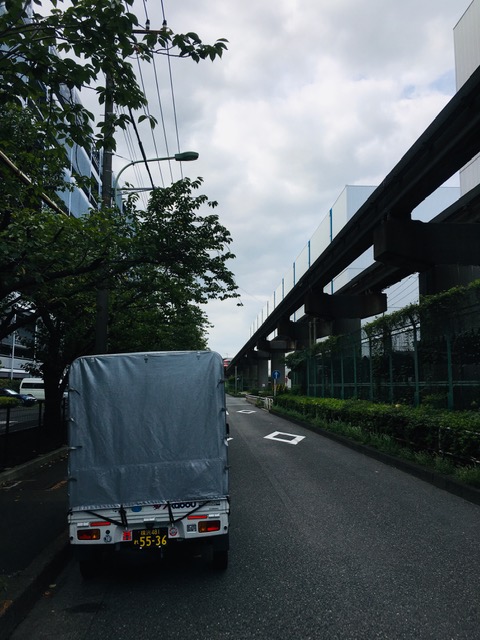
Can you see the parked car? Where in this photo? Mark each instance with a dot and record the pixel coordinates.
(26, 399)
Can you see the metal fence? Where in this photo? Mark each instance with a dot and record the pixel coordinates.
(22, 433)
(427, 358)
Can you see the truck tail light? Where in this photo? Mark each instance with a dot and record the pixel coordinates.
(88, 534)
(206, 526)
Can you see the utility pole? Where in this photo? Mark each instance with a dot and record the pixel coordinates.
(107, 150)
(101, 329)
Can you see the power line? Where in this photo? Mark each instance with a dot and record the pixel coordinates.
(147, 112)
(140, 144)
(157, 100)
(402, 290)
(170, 74)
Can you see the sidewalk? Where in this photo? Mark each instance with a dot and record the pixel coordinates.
(33, 535)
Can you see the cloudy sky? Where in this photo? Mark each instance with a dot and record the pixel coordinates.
(310, 96)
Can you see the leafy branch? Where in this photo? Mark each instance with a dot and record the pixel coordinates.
(77, 47)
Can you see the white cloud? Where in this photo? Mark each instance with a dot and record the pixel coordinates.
(309, 97)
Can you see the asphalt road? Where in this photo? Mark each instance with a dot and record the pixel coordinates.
(325, 544)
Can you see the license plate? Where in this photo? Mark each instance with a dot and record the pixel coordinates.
(149, 538)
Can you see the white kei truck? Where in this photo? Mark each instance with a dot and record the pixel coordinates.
(148, 455)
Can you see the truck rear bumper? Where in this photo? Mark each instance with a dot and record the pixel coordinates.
(149, 527)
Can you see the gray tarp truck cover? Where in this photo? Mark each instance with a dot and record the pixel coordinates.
(147, 428)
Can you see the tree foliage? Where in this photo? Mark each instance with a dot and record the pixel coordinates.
(47, 56)
(23, 140)
(149, 326)
(170, 256)
(159, 264)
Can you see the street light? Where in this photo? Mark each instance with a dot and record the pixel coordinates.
(186, 156)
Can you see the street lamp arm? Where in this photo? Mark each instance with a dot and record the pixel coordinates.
(186, 156)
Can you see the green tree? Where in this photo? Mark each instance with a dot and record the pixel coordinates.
(78, 44)
(159, 264)
(53, 264)
(50, 50)
(22, 138)
(148, 326)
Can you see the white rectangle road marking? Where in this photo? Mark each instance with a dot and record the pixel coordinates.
(290, 438)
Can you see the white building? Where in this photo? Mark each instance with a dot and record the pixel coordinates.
(466, 38)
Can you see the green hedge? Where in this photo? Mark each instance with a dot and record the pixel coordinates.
(9, 402)
(10, 383)
(445, 433)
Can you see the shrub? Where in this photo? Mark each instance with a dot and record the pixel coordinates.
(468, 475)
(439, 439)
(9, 402)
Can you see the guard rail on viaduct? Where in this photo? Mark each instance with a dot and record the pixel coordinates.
(401, 246)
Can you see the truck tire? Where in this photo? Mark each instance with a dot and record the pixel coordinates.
(220, 559)
(88, 569)
(89, 563)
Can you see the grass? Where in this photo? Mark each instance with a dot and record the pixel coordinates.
(468, 475)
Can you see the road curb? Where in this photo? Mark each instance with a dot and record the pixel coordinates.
(433, 477)
(25, 588)
(21, 470)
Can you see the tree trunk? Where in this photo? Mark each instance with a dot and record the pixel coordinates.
(54, 424)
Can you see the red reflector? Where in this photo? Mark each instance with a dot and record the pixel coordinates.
(100, 524)
(197, 517)
(209, 525)
(88, 534)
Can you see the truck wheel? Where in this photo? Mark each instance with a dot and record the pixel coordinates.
(89, 562)
(220, 560)
(88, 568)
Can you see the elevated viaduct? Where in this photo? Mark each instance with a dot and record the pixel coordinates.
(444, 251)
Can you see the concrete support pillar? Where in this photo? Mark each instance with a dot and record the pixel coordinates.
(255, 368)
(333, 306)
(275, 350)
(296, 334)
(263, 373)
(446, 255)
(336, 314)
(278, 363)
(420, 245)
(254, 375)
(247, 375)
